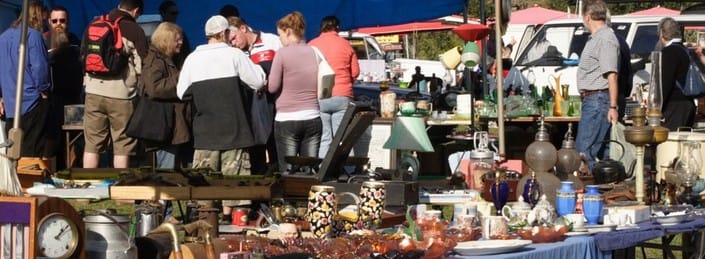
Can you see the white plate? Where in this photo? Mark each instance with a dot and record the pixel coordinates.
(572, 234)
(600, 228)
(488, 247)
(671, 219)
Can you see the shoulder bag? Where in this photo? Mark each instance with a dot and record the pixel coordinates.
(326, 76)
(694, 81)
(151, 120)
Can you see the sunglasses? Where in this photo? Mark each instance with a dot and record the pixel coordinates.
(61, 20)
(174, 13)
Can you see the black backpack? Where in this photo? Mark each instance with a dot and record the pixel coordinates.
(103, 47)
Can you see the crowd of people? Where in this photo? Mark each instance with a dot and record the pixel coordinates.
(604, 72)
(247, 99)
(242, 102)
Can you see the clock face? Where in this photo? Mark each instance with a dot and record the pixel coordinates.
(57, 236)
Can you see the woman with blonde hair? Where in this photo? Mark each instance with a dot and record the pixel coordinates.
(160, 76)
(293, 79)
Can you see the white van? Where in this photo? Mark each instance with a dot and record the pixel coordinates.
(569, 36)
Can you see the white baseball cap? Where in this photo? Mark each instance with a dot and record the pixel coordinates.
(216, 24)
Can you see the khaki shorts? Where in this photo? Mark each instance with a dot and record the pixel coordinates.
(229, 162)
(104, 119)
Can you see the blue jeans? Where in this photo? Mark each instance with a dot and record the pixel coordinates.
(332, 111)
(594, 127)
(297, 138)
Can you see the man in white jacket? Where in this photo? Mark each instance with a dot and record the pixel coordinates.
(214, 79)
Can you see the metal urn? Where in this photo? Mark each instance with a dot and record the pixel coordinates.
(568, 160)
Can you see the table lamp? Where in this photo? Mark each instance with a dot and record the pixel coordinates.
(409, 136)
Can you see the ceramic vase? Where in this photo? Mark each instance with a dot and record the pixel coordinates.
(500, 193)
(372, 197)
(565, 199)
(322, 206)
(592, 204)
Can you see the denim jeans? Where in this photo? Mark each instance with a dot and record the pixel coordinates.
(166, 156)
(594, 127)
(297, 138)
(332, 111)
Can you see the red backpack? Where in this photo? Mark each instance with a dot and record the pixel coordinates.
(103, 47)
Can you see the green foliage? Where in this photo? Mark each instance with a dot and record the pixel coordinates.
(432, 44)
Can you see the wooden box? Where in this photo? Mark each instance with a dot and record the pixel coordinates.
(231, 193)
(150, 193)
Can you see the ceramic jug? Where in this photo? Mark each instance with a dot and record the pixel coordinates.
(365, 213)
(322, 205)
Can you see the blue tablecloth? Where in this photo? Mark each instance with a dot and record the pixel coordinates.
(583, 247)
(621, 239)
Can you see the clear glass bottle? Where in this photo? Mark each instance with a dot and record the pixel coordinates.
(655, 96)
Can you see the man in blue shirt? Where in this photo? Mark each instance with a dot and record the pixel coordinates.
(34, 103)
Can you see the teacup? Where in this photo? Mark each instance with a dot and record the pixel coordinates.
(494, 226)
(407, 108)
(619, 219)
(578, 220)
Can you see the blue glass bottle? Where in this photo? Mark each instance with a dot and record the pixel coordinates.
(500, 192)
(532, 190)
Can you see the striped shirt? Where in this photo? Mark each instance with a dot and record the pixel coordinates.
(600, 56)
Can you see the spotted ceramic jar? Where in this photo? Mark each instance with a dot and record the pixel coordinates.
(372, 198)
(322, 205)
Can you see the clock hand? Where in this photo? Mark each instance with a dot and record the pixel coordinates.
(63, 230)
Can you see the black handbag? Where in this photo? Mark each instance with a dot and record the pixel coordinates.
(262, 117)
(151, 120)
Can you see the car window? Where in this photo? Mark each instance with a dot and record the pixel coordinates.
(645, 40)
(567, 39)
(551, 41)
(360, 48)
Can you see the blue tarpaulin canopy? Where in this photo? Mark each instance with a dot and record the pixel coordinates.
(263, 14)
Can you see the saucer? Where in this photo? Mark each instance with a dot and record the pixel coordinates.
(627, 226)
(601, 228)
(583, 229)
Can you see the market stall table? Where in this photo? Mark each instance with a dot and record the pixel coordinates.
(584, 247)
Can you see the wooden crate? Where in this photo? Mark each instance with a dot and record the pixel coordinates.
(32, 169)
(150, 193)
(231, 193)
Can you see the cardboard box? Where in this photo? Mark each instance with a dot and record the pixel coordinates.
(636, 213)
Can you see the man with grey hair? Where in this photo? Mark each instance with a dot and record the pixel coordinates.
(597, 80)
(678, 109)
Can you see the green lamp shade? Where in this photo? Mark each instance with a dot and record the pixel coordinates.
(471, 54)
(409, 133)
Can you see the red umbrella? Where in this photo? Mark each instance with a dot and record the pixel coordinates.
(472, 32)
(536, 15)
(658, 10)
